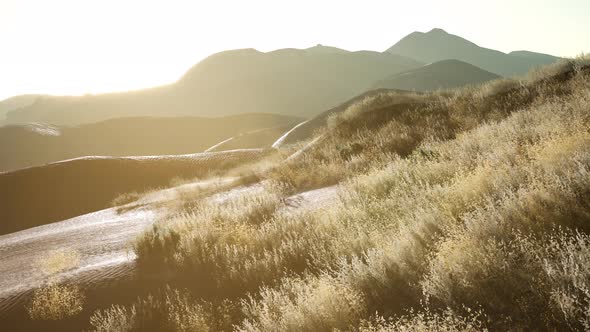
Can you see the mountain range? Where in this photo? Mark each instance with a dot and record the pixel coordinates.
(288, 81)
(296, 82)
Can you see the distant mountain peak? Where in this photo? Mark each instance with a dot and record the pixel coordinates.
(319, 48)
(437, 31)
(437, 45)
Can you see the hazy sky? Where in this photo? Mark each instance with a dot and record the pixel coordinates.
(79, 46)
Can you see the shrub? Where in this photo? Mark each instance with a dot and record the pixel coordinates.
(55, 302)
(303, 305)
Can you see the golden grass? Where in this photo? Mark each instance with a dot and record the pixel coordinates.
(426, 321)
(460, 211)
(167, 310)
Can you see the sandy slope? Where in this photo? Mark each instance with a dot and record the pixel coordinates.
(49, 193)
(102, 240)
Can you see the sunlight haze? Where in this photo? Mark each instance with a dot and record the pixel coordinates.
(74, 47)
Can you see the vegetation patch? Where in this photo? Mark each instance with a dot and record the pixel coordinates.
(460, 210)
(55, 302)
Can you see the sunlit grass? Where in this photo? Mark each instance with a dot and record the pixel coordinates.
(458, 211)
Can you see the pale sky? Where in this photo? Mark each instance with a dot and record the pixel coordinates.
(92, 46)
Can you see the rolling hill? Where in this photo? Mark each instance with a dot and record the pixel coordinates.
(306, 130)
(14, 103)
(443, 74)
(289, 81)
(37, 144)
(437, 45)
(39, 195)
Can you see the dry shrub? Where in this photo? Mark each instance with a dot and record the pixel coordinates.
(114, 319)
(55, 302)
(529, 282)
(304, 305)
(207, 241)
(167, 310)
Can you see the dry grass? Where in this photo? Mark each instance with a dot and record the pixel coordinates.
(244, 171)
(127, 198)
(167, 310)
(428, 321)
(460, 211)
(55, 302)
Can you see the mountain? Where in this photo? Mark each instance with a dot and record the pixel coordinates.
(288, 81)
(36, 144)
(437, 45)
(14, 103)
(443, 74)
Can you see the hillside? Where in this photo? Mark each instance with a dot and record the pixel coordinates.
(437, 45)
(234, 82)
(306, 130)
(15, 103)
(37, 144)
(445, 74)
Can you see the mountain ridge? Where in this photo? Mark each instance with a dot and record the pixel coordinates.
(233, 82)
(437, 44)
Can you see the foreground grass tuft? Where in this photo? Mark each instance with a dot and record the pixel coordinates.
(55, 302)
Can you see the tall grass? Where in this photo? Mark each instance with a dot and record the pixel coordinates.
(459, 211)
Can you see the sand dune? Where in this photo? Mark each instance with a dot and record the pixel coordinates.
(39, 195)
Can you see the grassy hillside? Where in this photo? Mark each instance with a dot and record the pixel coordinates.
(445, 74)
(234, 82)
(461, 211)
(39, 195)
(35, 144)
(457, 211)
(437, 45)
(307, 130)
